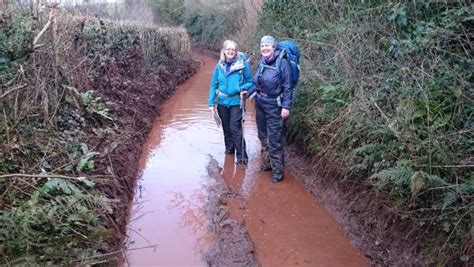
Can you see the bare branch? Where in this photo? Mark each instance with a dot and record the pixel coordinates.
(12, 90)
(19, 175)
(52, 14)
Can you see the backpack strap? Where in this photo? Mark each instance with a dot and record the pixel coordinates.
(278, 60)
(262, 66)
(278, 69)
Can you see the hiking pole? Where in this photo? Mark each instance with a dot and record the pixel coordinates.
(242, 107)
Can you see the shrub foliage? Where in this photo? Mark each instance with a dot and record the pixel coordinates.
(61, 200)
(387, 95)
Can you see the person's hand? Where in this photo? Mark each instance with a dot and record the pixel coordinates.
(212, 109)
(244, 94)
(285, 113)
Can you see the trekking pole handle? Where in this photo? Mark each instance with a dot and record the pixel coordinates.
(242, 102)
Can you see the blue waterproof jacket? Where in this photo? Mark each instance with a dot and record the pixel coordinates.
(227, 82)
(274, 86)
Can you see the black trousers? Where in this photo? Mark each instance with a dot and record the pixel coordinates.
(270, 126)
(231, 117)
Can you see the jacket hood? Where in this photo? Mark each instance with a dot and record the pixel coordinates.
(237, 64)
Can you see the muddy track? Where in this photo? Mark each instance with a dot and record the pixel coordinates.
(232, 246)
(252, 222)
(383, 237)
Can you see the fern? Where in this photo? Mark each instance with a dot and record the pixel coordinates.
(58, 216)
(365, 149)
(384, 134)
(398, 175)
(433, 180)
(457, 192)
(466, 188)
(448, 200)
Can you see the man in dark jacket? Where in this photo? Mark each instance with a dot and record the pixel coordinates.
(274, 100)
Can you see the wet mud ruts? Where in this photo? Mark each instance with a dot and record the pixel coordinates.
(138, 96)
(232, 245)
(383, 237)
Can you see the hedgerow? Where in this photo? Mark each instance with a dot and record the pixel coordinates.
(69, 87)
(387, 95)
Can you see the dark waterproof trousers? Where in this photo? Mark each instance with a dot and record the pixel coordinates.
(231, 117)
(270, 126)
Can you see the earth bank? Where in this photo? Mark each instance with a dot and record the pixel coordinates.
(77, 101)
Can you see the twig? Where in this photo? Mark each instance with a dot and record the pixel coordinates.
(13, 89)
(115, 252)
(78, 233)
(7, 129)
(10, 82)
(46, 26)
(447, 166)
(387, 119)
(13, 175)
(57, 107)
(452, 232)
(142, 236)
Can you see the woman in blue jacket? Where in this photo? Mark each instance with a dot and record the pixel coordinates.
(231, 75)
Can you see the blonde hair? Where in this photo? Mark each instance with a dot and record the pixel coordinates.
(226, 44)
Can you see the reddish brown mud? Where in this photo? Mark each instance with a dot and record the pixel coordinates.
(287, 226)
(387, 239)
(232, 245)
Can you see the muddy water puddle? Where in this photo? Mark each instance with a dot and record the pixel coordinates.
(168, 226)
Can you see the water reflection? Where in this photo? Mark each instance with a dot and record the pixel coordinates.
(192, 212)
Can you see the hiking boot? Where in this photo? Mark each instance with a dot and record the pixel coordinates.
(265, 168)
(276, 179)
(229, 151)
(242, 161)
